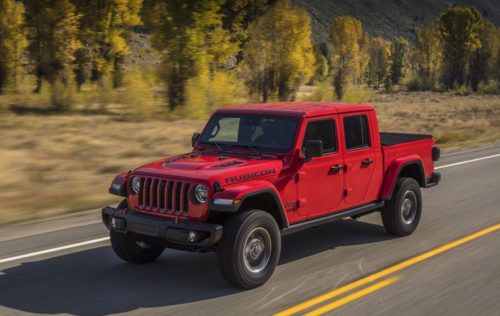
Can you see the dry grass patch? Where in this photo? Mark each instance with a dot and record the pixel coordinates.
(454, 120)
(52, 164)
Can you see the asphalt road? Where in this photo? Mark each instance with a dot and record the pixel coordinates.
(463, 278)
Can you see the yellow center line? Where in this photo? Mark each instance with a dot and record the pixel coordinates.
(382, 273)
(352, 297)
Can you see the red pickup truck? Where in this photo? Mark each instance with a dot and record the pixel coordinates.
(261, 171)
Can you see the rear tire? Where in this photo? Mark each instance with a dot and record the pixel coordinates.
(250, 249)
(402, 212)
(134, 248)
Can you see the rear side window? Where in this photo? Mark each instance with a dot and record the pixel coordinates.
(356, 132)
(323, 130)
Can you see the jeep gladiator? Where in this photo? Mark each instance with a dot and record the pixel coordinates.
(261, 171)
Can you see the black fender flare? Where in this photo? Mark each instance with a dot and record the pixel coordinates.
(421, 175)
(233, 208)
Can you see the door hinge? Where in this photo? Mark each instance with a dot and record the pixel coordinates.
(301, 203)
(300, 176)
(347, 192)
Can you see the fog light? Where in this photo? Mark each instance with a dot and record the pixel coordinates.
(185, 236)
(192, 236)
(118, 224)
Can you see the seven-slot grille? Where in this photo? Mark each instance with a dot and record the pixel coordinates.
(163, 195)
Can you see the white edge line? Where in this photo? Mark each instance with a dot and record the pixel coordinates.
(94, 241)
(466, 162)
(42, 252)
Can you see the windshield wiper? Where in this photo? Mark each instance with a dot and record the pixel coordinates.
(219, 147)
(254, 149)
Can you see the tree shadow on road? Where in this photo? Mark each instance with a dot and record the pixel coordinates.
(96, 282)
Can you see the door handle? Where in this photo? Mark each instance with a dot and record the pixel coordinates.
(366, 162)
(336, 168)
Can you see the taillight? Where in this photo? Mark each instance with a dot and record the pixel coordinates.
(436, 153)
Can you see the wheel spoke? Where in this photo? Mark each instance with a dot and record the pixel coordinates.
(409, 207)
(257, 250)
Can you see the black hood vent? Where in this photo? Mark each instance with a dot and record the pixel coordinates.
(228, 164)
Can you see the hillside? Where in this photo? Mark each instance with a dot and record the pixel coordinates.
(388, 18)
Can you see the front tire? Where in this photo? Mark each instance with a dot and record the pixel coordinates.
(402, 212)
(250, 249)
(134, 249)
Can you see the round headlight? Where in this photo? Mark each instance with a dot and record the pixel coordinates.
(201, 193)
(134, 185)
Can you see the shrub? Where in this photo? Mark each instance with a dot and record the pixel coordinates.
(357, 95)
(323, 91)
(421, 83)
(450, 137)
(492, 87)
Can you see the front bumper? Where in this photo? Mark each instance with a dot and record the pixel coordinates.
(433, 180)
(177, 235)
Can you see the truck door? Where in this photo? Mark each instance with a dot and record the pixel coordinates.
(321, 180)
(360, 158)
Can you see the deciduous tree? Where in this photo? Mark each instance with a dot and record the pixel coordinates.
(347, 38)
(459, 28)
(482, 62)
(428, 53)
(321, 61)
(399, 59)
(279, 55)
(380, 61)
(12, 41)
(53, 31)
(105, 28)
(190, 36)
(239, 14)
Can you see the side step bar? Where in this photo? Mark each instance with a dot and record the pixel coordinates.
(357, 211)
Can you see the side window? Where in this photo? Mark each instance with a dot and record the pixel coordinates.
(356, 132)
(323, 130)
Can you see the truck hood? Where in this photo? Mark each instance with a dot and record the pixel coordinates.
(213, 167)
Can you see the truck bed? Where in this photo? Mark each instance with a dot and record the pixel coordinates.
(418, 146)
(390, 139)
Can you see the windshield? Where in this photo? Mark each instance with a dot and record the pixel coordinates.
(255, 132)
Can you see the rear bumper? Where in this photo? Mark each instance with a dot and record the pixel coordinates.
(433, 180)
(178, 235)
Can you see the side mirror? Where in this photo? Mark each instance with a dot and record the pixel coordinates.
(312, 148)
(194, 138)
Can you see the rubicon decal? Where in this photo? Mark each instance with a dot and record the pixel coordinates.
(249, 176)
